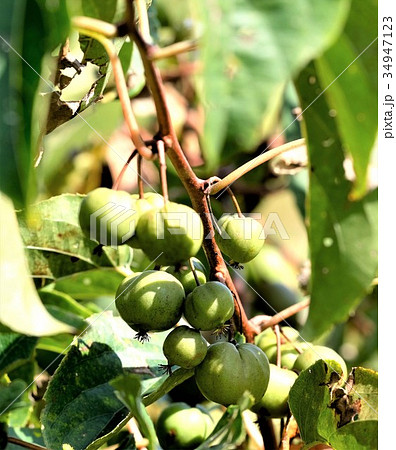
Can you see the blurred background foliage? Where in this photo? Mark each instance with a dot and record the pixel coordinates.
(252, 83)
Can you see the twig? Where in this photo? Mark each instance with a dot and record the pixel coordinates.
(144, 26)
(278, 345)
(139, 176)
(121, 174)
(105, 29)
(264, 321)
(190, 262)
(16, 441)
(235, 202)
(255, 162)
(289, 432)
(174, 49)
(162, 164)
(288, 312)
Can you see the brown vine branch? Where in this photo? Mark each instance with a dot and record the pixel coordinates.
(263, 321)
(16, 441)
(193, 185)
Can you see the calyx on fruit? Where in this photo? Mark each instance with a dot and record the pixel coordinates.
(107, 215)
(151, 301)
(185, 347)
(171, 234)
(209, 306)
(275, 400)
(185, 275)
(229, 370)
(181, 427)
(315, 353)
(241, 238)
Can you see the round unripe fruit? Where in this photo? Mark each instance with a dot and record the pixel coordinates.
(186, 276)
(181, 427)
(151, 301)
(315, 353)
(209, 306)
(185, 347)
(241, 239)
(289, 353)
(274, 402)
(229, 370)
(107, 216)
(267, 338)
(171, 234)
(140, 205)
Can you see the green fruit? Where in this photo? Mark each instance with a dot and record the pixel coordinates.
(182, 427)
(151, 301)
(209, 306)
(241, 239)
(289, 354)
(107, 216)
(185, 347)
(267, 338)
(315, 353)
(140, 205)
(274, 402)
(185, 275)
(229, 370)
(171, 234)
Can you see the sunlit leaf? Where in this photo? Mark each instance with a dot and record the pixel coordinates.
(21, 309)
(342, 233)
(250, 50)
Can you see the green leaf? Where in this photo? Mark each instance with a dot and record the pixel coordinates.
(242, 85)
(52, 226)
(80, 404)
(166, 384)
(60, 146)
(365, 390)
(353, 96)
(91, 283)
(113, 331)
(309, 399)
(315, 403)
(57, 344)
(15, 350)
(360, 435)
(342, 233)
(20, 309)
(108, 10)
(229, 430)
(64, 308)
(33, 32)
(11, 396)
(129, 391)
